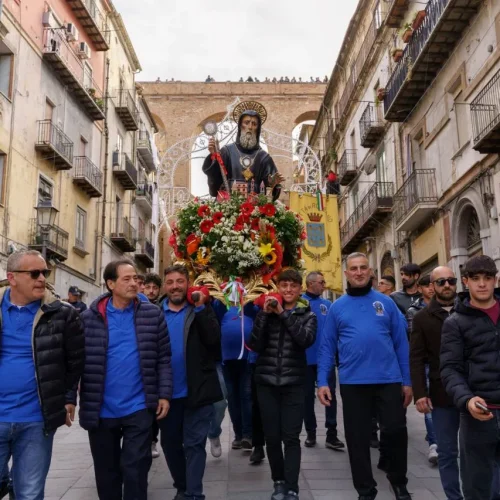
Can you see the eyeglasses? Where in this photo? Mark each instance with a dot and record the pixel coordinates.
(443, 281)
(35, 273)
(321, 282)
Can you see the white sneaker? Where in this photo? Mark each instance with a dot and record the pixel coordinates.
(215, 447)
(154, 452)
(433, 454)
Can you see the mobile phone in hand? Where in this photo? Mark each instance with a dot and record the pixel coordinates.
(477, 404)
(195, 296)
(273, 303)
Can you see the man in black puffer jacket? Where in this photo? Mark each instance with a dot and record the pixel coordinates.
(126, 383)
(41, 360)
(470, 371)
(281, 335)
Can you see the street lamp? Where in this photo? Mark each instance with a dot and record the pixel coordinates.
(46, 217)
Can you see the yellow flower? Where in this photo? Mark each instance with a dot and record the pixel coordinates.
(265, 248)
(270, 258)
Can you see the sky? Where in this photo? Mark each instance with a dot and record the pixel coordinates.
(228, 39)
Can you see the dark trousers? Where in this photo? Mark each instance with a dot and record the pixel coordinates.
(358, 401)
(121, 450)
(237, 376)
(282, 410)
(183, 438)
(330, 411)
(479, 456)
(257, 429)
(155, 431)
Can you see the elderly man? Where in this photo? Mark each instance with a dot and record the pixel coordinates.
(41, 361)
(368, 333)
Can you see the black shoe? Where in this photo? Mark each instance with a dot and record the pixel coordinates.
(4, 489)
(383, 464)
(237, 444)
(310, 441)
(400, 492)
(292, 495)
(257, 455)
(279, 491)
(246, 444)
(374, 442)
(179, 496)
(367, 497)
(334, 443)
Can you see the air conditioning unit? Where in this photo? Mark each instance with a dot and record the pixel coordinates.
(71, 32)
(83, 50)
(48, 20)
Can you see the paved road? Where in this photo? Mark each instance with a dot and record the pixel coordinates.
(325, 474)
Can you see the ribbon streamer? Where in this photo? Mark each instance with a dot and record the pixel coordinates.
(234, 292)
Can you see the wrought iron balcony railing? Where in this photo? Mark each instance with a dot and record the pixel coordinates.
(123, 234)
(92, 21)
(55, 241)
(127, 109)
(347, 167)
(52, 140)
(124, 170)
(371, 126)
(87, 176)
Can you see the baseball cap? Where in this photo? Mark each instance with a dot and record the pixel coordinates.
(74, 290)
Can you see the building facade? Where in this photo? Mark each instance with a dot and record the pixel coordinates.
(408, 123)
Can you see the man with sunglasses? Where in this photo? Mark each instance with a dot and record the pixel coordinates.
(470, 370)
(431, 398)
(41, 360)
(315, 286)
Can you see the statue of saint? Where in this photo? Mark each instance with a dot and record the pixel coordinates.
(244, 159)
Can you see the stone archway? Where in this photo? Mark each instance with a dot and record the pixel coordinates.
(387, 265)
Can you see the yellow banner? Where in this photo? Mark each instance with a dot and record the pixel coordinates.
(321, 250)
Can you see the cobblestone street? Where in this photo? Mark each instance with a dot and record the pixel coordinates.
(325, 474)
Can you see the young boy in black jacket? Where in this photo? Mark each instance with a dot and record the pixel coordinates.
(281, 334)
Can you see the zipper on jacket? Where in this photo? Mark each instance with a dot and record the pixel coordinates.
(38, 390)
(139, 353)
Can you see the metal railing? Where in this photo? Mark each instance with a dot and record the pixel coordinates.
(55, 43)
(121, 161)
(145, 190)
(485, 109)
(144, 140)
(95, 14)
(369, 119)
(56, 238)
(380, 195)
(123, 228)
(84, 168)
(420, 187)
(147, 248)
(50, 134)
(347, 162)
(124, 99)
(433, 12)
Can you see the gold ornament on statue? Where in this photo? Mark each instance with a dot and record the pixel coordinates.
(250, 106)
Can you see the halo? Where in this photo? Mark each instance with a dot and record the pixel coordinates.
(241, 107)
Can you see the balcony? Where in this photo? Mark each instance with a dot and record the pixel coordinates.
(347, 167)
(123, 235)
(144, 198)
(146, 254)
(127, 110)
(145, 151)
(87, 176)
(92, 21)
(372, 209)
(416, 200)
(427, 52)
(485, 114)
(77, 79)
(54, 143)
(124, 171)
(371, 126)
(56, 242)
(397, 12)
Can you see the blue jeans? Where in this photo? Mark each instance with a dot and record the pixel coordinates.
(238, 380)
(31, 451)
(215, 429)
(446, 424)
(183, 438)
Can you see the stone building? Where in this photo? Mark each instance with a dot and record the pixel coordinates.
(409, 121)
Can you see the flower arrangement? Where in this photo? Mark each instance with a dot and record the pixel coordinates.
(237, 236)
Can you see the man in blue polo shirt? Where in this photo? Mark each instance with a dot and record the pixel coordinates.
(41, 340)
(126, 383)
(195, 337)
(315, 286)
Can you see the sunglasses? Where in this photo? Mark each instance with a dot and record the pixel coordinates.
(443, 281)
(35, 273)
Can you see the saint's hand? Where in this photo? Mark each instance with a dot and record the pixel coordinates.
(211, 146)
(70, 414)
(424, 405)
(325, 395)
(162, 410)
(276, 179)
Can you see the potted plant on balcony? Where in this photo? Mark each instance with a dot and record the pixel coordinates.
(91, 92)
(407, 32)
(418, 19)
(397, 54)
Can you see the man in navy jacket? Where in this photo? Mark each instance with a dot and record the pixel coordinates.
(126, 383)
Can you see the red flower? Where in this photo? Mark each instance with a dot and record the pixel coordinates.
(172, 241)
(203, 211)
(303, 235)
(255, 224)
(247, 208)
(268, 210)
(206, 226)
(242, 219)
(271, 230)
(238, 227)
(217, 217)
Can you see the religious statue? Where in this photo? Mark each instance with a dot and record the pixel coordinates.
(244, 160)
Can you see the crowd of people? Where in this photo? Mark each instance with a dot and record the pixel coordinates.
(158, 360)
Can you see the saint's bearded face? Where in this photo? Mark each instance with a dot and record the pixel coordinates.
(248, 136)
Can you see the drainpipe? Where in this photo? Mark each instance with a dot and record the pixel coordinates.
(106, 152)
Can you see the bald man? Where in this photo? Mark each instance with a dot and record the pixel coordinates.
(425, 348)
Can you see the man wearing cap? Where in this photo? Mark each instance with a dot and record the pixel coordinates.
(75, 299)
